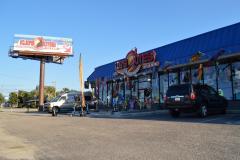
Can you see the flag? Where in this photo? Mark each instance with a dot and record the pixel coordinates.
(81, 81)
(196, 57)
(200, 72)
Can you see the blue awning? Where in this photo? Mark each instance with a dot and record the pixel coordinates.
(226, 38)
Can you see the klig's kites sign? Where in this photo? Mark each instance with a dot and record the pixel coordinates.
(42, 45)
(134, 62)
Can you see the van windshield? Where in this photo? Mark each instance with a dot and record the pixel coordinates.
(178, 90)
(55, 99)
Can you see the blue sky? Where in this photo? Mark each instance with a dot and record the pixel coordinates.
(103, 31)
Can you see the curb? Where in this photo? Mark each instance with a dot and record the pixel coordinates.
(235, 111)
(124, 115)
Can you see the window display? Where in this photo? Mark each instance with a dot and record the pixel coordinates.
(236, 80)
(224, 81)
(173, 78)
(210, 76)
(163, 86)
(185, 76)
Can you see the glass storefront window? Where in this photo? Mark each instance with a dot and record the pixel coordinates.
(185, 76)
(109, 93)
(145, 83)
(224, 81)
(128, 85)
(135, 88)
(236, 80)
(210, 76)
(196, 78)
(155, 89)
(173, 78)
(163, 86)
(104, 93)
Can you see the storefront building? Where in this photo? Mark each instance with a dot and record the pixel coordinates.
(140, 81)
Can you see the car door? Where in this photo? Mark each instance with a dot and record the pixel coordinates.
(216, 101)
(207, 97)
(62, 103)
(70, 102)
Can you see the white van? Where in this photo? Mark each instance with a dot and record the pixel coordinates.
(63, 103)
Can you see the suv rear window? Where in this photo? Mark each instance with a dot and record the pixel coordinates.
(88, 98)
(178, 90)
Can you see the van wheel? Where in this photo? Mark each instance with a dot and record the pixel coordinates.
(203, 111)
(174, 113)
(55, 111)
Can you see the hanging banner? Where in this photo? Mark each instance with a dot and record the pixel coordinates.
(42, 45)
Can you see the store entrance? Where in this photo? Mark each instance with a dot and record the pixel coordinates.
(145, 91)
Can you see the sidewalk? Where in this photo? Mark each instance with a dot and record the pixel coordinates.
(109, 114)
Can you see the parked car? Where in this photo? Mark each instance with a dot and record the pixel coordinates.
(66, 102)
(62, 103)
(198, 98)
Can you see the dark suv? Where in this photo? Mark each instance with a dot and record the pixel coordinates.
(199, 98)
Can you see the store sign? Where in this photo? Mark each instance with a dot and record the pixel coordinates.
(134, 62)
(42, 44)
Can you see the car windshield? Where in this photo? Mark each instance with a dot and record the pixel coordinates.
(55, 99)
(178, 90)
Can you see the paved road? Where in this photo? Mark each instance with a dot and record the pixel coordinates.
(40, 136)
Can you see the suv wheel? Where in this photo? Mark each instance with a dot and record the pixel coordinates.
(174, 113)
(55, 111)
(203, 111)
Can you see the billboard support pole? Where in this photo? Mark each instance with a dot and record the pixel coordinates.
(41, 84)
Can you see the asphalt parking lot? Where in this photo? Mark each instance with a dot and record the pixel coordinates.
(159, 136)
(230, 119)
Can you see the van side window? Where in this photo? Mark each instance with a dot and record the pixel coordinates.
(71, 98)
(63, 98)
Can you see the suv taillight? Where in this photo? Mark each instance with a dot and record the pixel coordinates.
(193, 96)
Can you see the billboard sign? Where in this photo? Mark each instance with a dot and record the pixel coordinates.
(42, 45)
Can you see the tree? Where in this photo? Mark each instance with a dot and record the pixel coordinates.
(13, 98)
(49, 92)
(23, 97)
(2, 100)
(64, 90)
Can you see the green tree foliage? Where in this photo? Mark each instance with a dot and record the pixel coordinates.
(64, 90)
(49, 92)
(2, 100)
(13, 98)
(23, 98)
